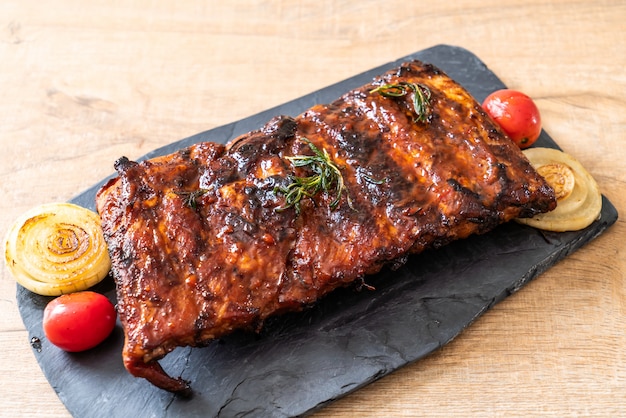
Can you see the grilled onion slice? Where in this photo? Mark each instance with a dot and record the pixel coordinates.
(57, 248)
(579, 201)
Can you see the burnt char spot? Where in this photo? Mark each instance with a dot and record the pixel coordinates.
(219, 173)
(410, 69)
(269, 140)
(458, 187)
(123, 164)
(358, 145)
(202, 322)
(185, 153)
(501, 173)
(265, 193)
(281, 127)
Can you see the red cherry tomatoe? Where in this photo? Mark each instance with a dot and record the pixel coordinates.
(516, 113)
(78, 321)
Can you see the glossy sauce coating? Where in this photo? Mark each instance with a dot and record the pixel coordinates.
(201, 243)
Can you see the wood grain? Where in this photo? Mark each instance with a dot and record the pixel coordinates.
(84, 83)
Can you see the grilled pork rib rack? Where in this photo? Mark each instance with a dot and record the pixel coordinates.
(218, 237)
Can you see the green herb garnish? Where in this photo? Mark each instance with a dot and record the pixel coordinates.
(191, 198)
(421, 96)
(326, 177)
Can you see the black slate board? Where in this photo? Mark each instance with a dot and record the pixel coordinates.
(300, 362)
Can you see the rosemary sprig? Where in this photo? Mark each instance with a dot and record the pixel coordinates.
(421, 96)
(326, 176)
(191, 198)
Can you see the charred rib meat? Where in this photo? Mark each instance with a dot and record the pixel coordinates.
(206, 240)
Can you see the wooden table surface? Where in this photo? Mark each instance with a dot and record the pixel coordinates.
(85, 82)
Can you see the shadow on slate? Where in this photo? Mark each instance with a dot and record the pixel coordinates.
(300, 362)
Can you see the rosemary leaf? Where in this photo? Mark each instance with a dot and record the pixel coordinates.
(326, 176)
(421, 96)
(191, 198)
